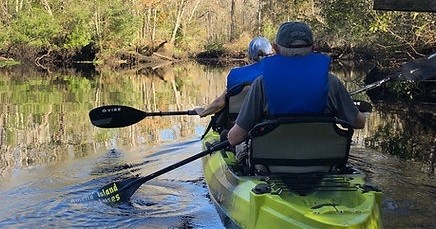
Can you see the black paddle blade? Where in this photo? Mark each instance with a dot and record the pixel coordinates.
(122, 191)
(113, 116)
(363, 106)
(117, 192)
(112, 193)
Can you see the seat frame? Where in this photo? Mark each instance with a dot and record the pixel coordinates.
(300, 144)
(234, 99)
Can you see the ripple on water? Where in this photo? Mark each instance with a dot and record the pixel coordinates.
(42, 197)
(164, 198)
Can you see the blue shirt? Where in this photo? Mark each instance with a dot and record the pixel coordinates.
(243, 75)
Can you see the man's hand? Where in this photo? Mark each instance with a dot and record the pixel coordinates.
(200, 111)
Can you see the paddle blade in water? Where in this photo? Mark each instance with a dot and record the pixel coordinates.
(123, 190)
(112, 193)
(117, 191)
(113, 116)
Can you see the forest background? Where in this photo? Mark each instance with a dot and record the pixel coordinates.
(128, 31)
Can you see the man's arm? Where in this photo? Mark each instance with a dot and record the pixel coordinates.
(342, 106)
(213, 107)
(251, 113)
(359, 122)
(236, 135)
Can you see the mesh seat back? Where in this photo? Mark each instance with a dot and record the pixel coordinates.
(235, 101)
(290, 146)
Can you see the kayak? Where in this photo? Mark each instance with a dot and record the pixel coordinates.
(313, 200)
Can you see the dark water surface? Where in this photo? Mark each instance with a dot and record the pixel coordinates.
(51, 154)
(41, 196)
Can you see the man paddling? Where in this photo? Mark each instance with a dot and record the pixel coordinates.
(258, 48)
(295, 81)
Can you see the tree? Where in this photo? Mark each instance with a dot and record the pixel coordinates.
(115, 25)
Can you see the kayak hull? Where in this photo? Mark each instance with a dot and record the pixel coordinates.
(289, 201)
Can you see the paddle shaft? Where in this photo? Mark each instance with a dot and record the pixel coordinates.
(411, 70)
(169, 113)
(212, 149)
(122, 191)
(115, 116)
(373, 85)
(364, 106)
(408, 70)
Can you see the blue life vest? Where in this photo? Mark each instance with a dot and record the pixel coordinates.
(243, 75)
(296, 85)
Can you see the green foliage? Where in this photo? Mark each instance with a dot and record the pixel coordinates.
(348, 20)
(116, 26)
(35, 28)
(405, 90)
(78, 38)
(269, 30)
(405, 28)
(3, 36)
(215, 46)
(381, 23)
(77, 29)
(280, 11)
(6, 63)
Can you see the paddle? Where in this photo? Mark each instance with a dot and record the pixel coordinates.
(113, 116)
(363, 106)
(374, 85)
(123, 190)
(413, 70)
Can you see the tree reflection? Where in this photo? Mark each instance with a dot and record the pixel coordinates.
(44, 118)
(407, 132)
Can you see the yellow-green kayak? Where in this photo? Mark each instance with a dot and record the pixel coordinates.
(289, 201)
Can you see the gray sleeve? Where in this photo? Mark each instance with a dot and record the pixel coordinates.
(252, 109)
(340, 103)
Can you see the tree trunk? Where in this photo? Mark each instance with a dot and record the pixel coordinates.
(180, 11)
(145, 23)
(259, 17)
(97, 26)
(47, 7)
(232, 21)
(193, 10)
(153, 34)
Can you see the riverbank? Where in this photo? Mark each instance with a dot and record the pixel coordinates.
(164, 54)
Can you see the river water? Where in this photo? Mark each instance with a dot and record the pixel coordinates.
(50, 153)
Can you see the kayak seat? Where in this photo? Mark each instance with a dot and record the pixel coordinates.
(300, 144)
(235, 96)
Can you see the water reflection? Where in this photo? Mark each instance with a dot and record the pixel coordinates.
(408, 195)
(44, 118)
(406, 132)
(50, 152)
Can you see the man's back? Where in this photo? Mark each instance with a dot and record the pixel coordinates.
(293, 40)
(302, 83)
(243, 75)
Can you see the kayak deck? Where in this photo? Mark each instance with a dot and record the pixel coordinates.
(289, 200)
